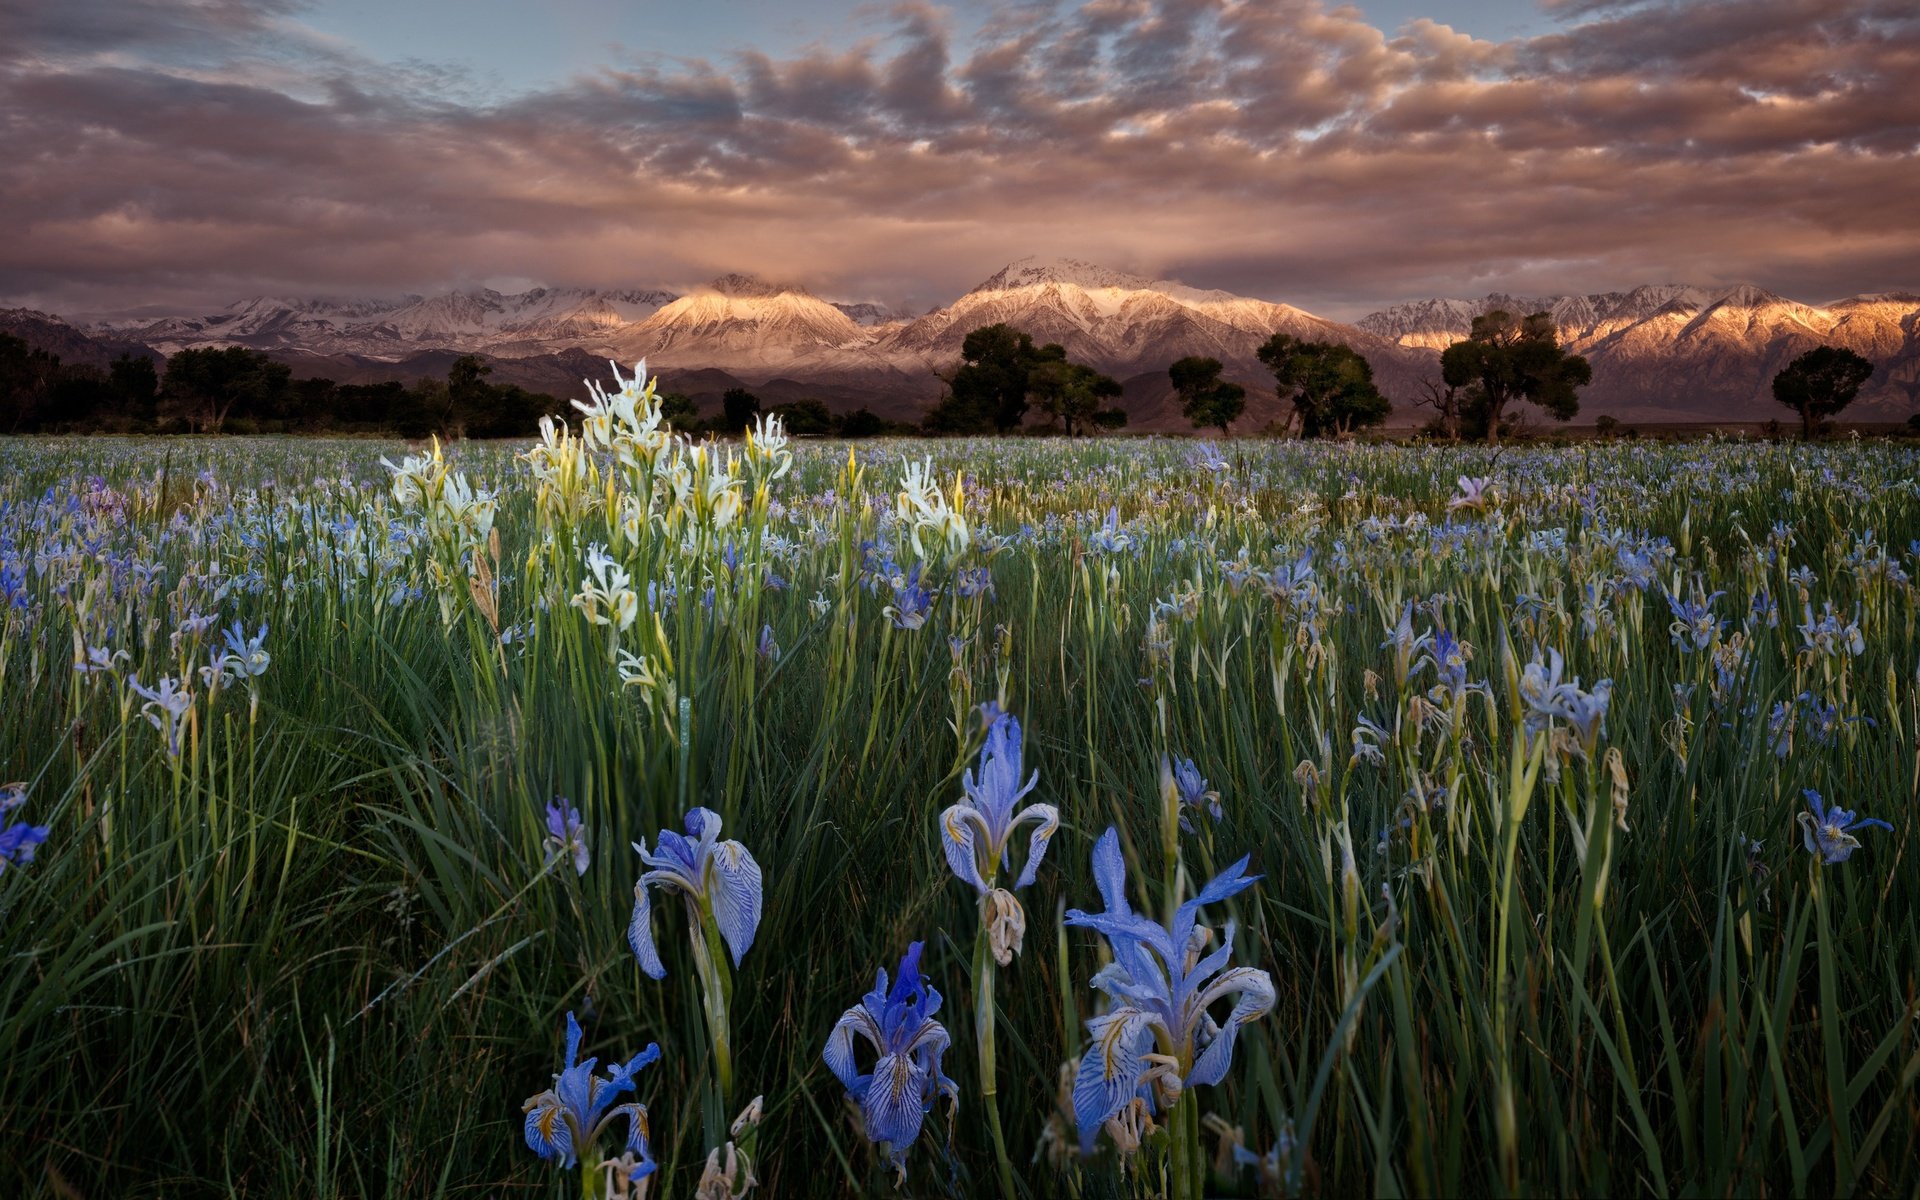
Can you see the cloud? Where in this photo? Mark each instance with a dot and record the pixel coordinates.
(190, 153)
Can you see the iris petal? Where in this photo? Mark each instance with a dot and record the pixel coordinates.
(895, 1102)
(1047, 819)
(734, 892)
(958, 828)
(1256, 997)
(640, 935)
(1110, 871)
(547, 1132)
(1110, 1070)
(839, 1052)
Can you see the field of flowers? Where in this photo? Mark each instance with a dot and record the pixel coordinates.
(615, 816)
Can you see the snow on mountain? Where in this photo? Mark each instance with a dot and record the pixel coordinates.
(1118, 322)
(483, 320)
(1705, 351)
(75, 346)
(739, 321)
(867, 314)
(1685, 350)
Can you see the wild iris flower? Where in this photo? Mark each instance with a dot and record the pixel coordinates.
(567, 1119)
(906, 1079)
(719, 881)
(1159, 1034)
(166, 708)
(565, 833)
(975, 833)
(1694, 625)
(246, 656)
(17, 838)
(1475, 494)
(1193, 790)
(1547, 695)
(911, 602)
(1827, 830)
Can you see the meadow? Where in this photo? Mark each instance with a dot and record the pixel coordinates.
(1579, 785)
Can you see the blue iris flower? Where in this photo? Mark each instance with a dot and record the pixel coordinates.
(1159, 1030)
(719, 881)
(1827, 829)
(565, 834)
(976, 832)
(568, 1118)
(1694, 625)
(18, 839)
(906, 1079)
(911, 602)
(1194, 792)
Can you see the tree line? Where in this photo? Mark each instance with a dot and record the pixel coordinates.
(238, 390)
(234, 389)
(1327, 387)
(1488, 384)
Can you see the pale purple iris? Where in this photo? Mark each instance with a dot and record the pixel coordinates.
(1827, 829)
(975, 833)
(906, 1079)
(1162, 985)
(719, 881)
(568, 1118)
(565, 833)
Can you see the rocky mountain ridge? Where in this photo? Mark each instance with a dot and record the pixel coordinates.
(1692, 349)
(1672, 351)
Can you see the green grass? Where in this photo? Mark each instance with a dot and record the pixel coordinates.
(323, 952)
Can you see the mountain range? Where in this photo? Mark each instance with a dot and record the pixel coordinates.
(1659, 352)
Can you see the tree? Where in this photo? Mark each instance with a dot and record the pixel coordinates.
(1448, 403)
(679, 411)
(1068, 392)
(739, 407)
(1820, 383)
(136, 383)
(861, 423)
(1330, 385)
(989, 391)
(208, 387)
(27, 374)
(1205, 398)
(81, 396)
(469, 397)
(805, 418)
(1506, 358)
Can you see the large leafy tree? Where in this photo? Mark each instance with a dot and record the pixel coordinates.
(27, 375)
(1071, 393)
(1330, 384)
(738, 408)
(1507, 358)
(1205, 398)
(208, 387)
(989, 392)
(1820, 383)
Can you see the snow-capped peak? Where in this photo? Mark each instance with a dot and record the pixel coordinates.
(1033, 271)
(747, 286)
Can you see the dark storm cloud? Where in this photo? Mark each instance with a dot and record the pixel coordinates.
(197, 151)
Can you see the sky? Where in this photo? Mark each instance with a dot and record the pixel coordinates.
(179, 155)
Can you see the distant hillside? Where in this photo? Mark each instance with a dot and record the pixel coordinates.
(1661, 352)
(1678, 350)
(44, 331)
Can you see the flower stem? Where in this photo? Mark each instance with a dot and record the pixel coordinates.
(1179, 1130)
(709, 960)
(984, 1020)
